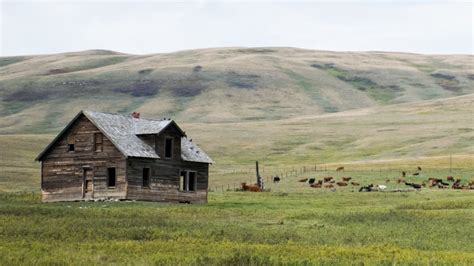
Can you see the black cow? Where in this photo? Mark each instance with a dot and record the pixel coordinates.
(276, 179)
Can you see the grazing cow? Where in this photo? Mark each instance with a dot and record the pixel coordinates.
(311, 180)
(327, 179)
(276, 179)
(457, 184)
(320, 182)
(340, 168)
(404, 173)
(450, 178)
(341, 184)
(419, 168)
(303, 180)
(328, 185)
(368, 188)
(413, 185)
(416, 173)
(355, 184)
(346, 178)
(387, 180)
(434, 181)
(441, 186)
(253, 188)
(316, 185)
(400, 180)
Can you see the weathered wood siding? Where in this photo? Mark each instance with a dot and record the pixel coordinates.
(63, 170)
(165, 177)
(170, 132)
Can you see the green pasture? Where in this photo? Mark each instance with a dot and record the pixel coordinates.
(243, 228)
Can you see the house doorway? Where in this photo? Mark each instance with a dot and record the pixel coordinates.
(87, 185)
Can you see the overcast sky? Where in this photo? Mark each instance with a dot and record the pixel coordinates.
(153, 27)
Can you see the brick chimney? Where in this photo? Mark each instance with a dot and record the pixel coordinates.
(135, 115)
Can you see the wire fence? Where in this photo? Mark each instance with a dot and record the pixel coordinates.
(248, 173)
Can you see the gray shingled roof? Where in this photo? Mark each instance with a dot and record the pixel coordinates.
(192, 153)
(122, 131)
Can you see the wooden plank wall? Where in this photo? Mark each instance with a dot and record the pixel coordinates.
(165, 180)
(62, 170)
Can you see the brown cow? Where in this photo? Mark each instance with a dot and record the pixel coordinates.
(457, 184)
(328, 185)
(340, 168)
(346, 178)
(387, 180)
(303, 180)
(253, 188)
(316, 185)
(327, 179)
(355, 184)
(332, 181)
(400, 180)
(341, 184)
(450, 178)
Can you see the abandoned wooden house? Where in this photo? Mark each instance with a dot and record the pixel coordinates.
(114, 156)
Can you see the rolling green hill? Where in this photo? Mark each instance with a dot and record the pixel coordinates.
(39, 94)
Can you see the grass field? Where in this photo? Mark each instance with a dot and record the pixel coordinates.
(241, 228)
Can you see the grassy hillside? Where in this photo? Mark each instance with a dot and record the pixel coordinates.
(400, 136)
(40, 93)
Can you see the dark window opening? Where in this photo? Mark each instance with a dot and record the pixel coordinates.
(192, 181)
(168, 147)
(98, 147)
(187, 181)
(70, 142)
(111, 177)
(146, 177)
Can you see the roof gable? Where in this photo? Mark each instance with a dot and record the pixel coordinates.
(124, 130)
(60, 134)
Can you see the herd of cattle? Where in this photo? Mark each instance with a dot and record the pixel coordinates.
(331, 182)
